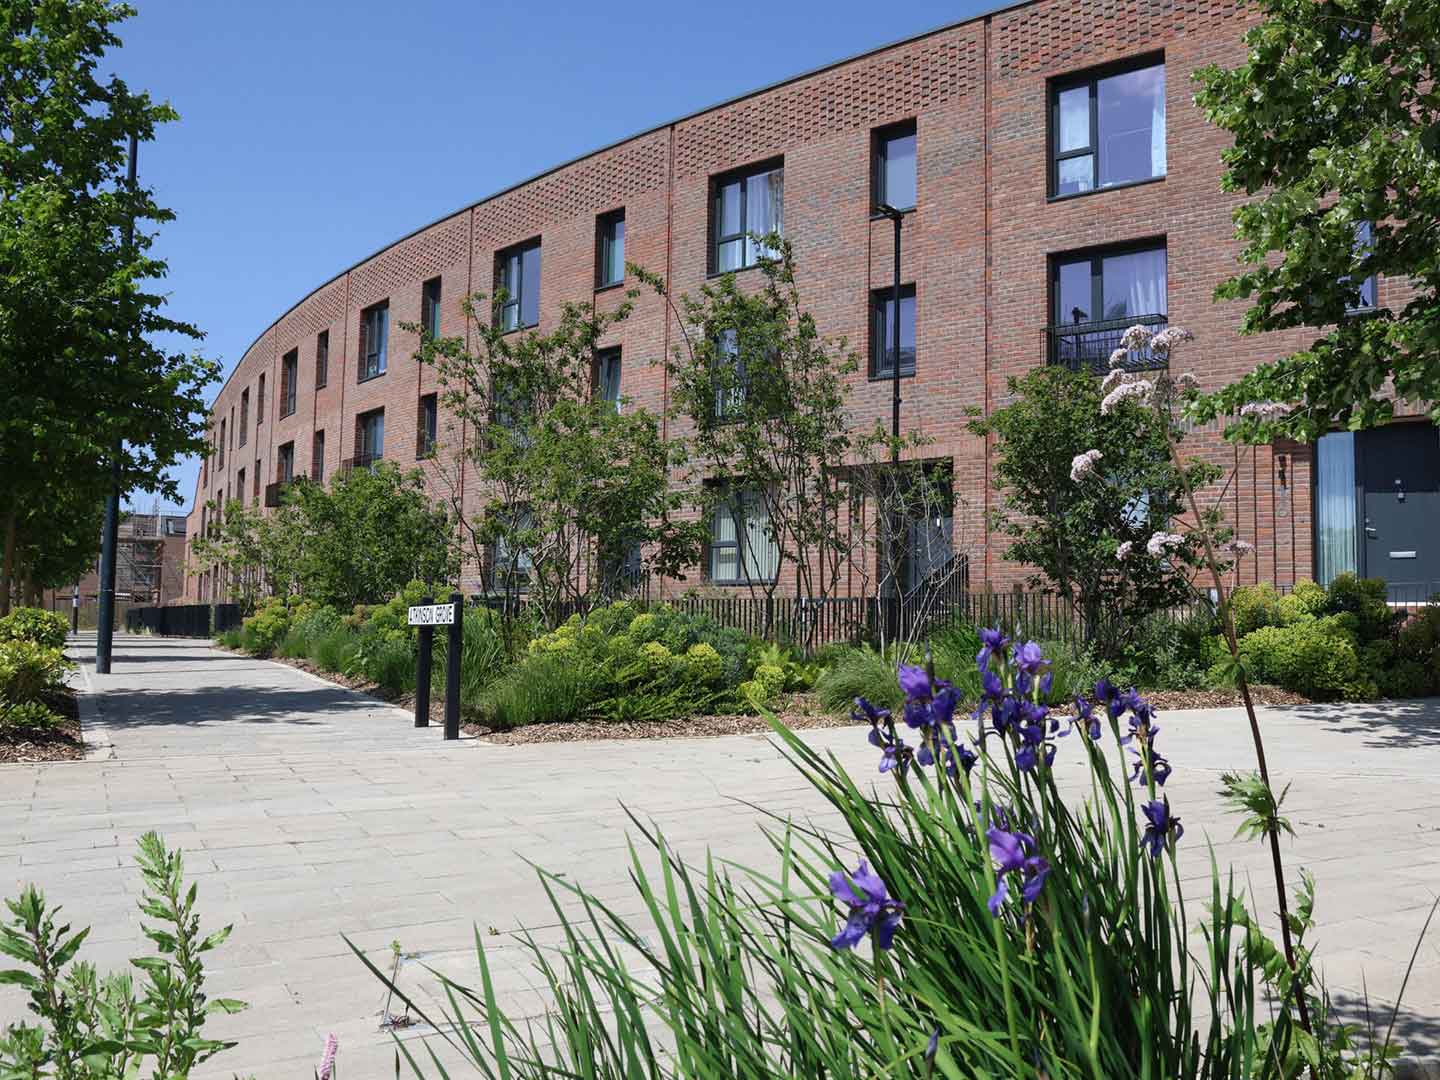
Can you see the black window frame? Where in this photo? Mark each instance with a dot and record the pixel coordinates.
(285, 457)
(1092, 77)
(427, 425)
(1102, 328)
(289, 378)
(735, 506)
(365, 453)
(604, 357)
(740, 176)
(430, 293)
(317, 456)
(515, 292)
(244, 415)
(364, 370)
(1097, 257)
(260, 401)
(732, 412)
(879, 138)
(604, 241)
(1371, 282)
(322, 358)
(240, 485)
(879, 298)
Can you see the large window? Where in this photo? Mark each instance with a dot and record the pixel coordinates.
(244, 414)
(731, 383)
(610, 249)
(512, 562)
(1098, 295)
(374, 340)
(747, 205)
(369, 437)
(882, 326)
(322, 358)
(426, 426)
(893, 167)
(289, 377)
(285, 463)
(240, 487)
(317, 457)
(607, 376)
(260, 401)
(742, 548)
(1364, 238)
(1107, 129)
(222, 445)
(517, 276)
(430, 308)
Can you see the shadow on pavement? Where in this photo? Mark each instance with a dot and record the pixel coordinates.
(1381, 724)
(1417, 1036)
(191, 707)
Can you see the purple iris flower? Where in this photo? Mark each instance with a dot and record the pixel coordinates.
(865, 711)
(932, 1046)
(991, 686)
(968, 758)
(1158, 766)
(1005, 714)
(1106, 694)
(871, 908)
(1046, 682)
(1029, 659)
(991, 642)
(1085, 716)
(915, 681)
(1012, 852)
(1162, 825)
(895, 756)
(1037, 869)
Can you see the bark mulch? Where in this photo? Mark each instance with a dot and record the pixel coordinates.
(60, 743)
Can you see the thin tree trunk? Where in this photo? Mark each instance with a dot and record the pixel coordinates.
(7, 565)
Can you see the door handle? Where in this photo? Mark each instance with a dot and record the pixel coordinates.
(1370, 533)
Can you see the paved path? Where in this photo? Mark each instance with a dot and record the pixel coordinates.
(307, 811)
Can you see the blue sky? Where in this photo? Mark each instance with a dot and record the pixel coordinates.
(313, 132)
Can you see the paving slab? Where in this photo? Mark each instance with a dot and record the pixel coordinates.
(307, 811)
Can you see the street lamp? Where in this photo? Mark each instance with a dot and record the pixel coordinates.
(898, 217)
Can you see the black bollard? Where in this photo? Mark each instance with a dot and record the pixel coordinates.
(422, 670)
(452, 668)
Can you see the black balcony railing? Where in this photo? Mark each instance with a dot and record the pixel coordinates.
(1088, 346)
(275, 493)
(361, 461)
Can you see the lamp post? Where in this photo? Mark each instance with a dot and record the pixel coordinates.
(105, 627)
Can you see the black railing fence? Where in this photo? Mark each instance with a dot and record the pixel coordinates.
(183, 620)
(1087, 346)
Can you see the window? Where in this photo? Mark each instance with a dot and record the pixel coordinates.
(1107, 129)
(729, 377)
(430, 308)
(882, 325)
(322, 359)
(513, 563)
(240, 486)
(741, 547)
(425, 426)
(289, 376)
(317, 457)
(369, 437)
(222, 445)
(285, 463)
(1099, 295)
(257, 475)
(746, 205)
(517, 275)
(610, 249)
(1364, 236)
(607, 376)
(374, 338)
(1337, 547)
(894, 166)
(260, 403)
(244, 414)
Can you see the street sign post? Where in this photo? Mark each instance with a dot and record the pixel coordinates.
(428, 615)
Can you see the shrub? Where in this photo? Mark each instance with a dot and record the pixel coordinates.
(1366, 600)
(484, 655)
(1318, 658)
(97, 1027)
(858, 672)
(29, 671)
(1254, 606)
(230, 639)
(542, 689)
(27, 716)
(262, 632)
(35, 625)
(334, 650)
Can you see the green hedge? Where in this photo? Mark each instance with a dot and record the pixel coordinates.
(47, 628)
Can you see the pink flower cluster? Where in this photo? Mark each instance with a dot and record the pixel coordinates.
(1123, 551)
(1239, 548)
(1162, 542)
(1161, 343)
(1137, 337)
(1139, 391)
(1083, 465)
(1265, 411)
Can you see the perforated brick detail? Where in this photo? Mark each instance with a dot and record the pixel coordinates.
(256, 359)
(597, 183)
(323, 308)
(1054, 37)
(898, 83)
(427, 253)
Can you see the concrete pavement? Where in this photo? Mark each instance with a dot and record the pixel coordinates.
(307, 811)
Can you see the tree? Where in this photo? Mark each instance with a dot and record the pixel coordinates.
(1086, 523)
(1336, 127)
(260, 551)
(576, 496)
(764, 397)
(82, 387)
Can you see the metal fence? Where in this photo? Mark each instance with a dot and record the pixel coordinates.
(183, 620)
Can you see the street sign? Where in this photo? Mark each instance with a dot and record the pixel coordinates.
(432, 615)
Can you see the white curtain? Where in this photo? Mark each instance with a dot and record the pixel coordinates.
(724, 556)
(764, 211)
(1335, 505)
(1157, 126)
(762, 553)
(1147, 283)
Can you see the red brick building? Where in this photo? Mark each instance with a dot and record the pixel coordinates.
(1063, 186)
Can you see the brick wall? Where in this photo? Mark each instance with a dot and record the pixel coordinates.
(976, 248)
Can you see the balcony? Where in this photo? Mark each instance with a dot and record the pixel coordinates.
(360, 461)
(275, 493)
(1087, 346)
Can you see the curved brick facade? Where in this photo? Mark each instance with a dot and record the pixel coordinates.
(977, 249)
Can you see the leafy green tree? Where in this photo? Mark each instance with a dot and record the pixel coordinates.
(576, 497)
(764, 399)
(1087, 526)
(260, 551)
(82, 384)
(1336, 127)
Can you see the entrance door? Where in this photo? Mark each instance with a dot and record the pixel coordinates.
(1399, 470)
